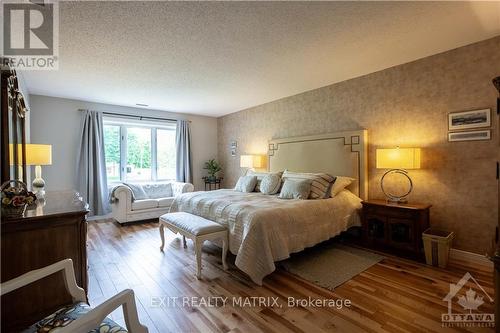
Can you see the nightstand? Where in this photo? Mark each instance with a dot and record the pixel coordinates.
(395, 228)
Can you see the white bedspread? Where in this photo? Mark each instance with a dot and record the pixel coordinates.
(264, 229)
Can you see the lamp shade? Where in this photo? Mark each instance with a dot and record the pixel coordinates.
(398, 158)
(251, 161)
(35, 154)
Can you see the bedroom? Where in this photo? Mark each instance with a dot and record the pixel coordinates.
(146, 101)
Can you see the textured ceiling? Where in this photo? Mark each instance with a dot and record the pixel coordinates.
(214, 58)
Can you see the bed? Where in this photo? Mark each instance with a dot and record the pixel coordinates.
(263, 228)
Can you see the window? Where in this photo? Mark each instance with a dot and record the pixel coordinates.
(138, 150)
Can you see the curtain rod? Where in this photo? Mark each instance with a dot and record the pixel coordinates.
(134, 116)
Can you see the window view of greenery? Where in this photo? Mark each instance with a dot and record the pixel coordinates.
(165, 153)
(112, 152)
(138, 145)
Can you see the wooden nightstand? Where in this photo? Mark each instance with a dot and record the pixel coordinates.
(395, 228)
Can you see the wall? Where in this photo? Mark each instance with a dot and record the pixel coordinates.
(406, 105)
(57, 121)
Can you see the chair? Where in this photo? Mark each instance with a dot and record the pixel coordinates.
(79, 317)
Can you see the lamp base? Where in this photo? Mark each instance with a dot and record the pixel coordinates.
(393, 198)
(397, 201)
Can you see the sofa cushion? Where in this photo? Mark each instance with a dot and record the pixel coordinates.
(165, 202)
(193, 224)
(64, 316)
(158, 190)
(144, 204)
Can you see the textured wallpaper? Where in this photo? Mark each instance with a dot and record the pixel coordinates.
(406, 105)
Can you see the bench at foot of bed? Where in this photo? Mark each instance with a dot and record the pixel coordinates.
(196, 228)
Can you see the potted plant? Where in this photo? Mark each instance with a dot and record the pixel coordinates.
(212, 167)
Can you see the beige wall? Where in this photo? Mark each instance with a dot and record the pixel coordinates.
(57, 121)
(406, 105)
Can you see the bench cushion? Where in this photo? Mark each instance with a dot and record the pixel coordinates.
(195, 225)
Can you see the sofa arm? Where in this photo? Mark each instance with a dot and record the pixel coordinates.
(120, 193)
(121, 202)
(179, 188)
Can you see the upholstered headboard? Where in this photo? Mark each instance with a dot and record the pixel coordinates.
(339, 154)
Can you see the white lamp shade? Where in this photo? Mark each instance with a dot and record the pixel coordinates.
(398, 158)
(35, 154)
(251, 161)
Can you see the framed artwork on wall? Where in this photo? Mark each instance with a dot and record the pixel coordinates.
(469, 119)
(470, 135)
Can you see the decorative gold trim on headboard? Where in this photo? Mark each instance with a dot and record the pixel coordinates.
(356, 140)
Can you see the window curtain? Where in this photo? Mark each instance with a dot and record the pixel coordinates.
(91, 164)
(183, 168)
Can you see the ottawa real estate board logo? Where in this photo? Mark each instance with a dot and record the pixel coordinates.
(469, 295)
(30, 32)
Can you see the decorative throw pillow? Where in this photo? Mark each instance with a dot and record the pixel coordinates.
(157, 191)
(295, 189)
(340, 184)
(246, 183)
(137, 191)
(260, 176)
(270, 183)
(320, 182)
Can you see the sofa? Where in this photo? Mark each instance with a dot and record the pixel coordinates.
(143, 201)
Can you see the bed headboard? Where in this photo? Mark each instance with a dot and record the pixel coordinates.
(339, 154)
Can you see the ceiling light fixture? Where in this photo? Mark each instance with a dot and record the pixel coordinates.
(141, 104)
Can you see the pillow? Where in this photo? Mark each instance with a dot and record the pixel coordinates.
(340, 184)
(157, 191)
(137, 191)
(259, 176)
(270, 183)
(295, 189)
(320, 182)
(246, 183)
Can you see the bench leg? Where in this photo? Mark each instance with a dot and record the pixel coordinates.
(197, 246)
(162, 236)
(184, 241)
(224, 252)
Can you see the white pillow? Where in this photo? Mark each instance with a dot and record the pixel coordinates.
(260, 176)
(340, 184)
(270, 183)
(246, 184)
(295, 189)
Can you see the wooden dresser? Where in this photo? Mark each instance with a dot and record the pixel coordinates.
(54, 230)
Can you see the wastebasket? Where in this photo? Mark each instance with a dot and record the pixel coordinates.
(437, 244)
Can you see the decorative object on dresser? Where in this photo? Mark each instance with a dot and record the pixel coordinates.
(212, 183)
(53, 230)
(15, 198)
(36, 155)
(397, 160)
(396, 228)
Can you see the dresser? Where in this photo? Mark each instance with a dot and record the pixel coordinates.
(53, 230)
(395, 228)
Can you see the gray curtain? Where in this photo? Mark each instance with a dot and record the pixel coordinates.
(184, 170)
(91, 165)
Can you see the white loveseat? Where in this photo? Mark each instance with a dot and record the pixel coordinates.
(143, 201)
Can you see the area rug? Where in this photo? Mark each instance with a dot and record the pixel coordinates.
(330, 265)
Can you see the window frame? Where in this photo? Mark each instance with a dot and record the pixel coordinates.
(123, 125)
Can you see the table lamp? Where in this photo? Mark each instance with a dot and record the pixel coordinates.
(251, 161)
(397, 160)
(36, 155)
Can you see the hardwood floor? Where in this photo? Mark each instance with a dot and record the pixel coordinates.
(394, 295)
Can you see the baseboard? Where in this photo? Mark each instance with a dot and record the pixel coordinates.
(470, 256)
